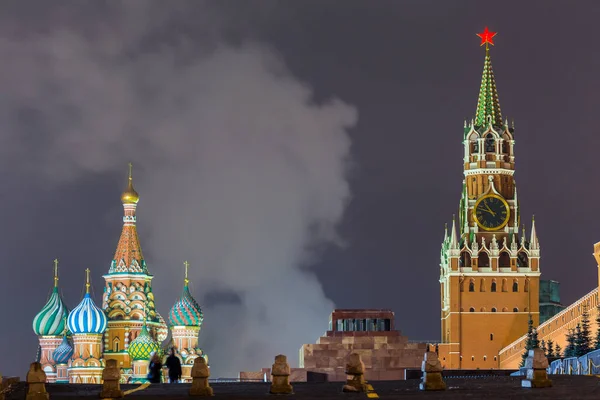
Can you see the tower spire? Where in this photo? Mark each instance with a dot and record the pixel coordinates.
(488, 105)
(453, 240)
(533, 241)
(128, 256)
(56, 272)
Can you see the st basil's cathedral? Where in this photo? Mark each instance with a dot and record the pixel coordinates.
(74, 344)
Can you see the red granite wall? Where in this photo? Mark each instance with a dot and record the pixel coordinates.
(386, 354)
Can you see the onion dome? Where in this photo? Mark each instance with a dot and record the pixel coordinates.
(130, 196)
(186, 311)
(63, 353)
(87, 317)
(163, 330)
(51, 320)
(143, 345)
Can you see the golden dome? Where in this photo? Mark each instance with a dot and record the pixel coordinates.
(130, 196)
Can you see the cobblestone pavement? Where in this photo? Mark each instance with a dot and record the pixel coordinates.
(565, 387)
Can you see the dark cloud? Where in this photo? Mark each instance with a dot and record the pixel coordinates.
(239, 169)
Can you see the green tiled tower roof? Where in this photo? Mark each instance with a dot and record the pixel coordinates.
(488, 105)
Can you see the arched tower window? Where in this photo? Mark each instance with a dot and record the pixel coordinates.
(484, 260)
(522, 260)
(493, 287)
(515, 285)
(506, 147)
(472, 285)
(490, 143)
(494, 309)
(515, 309)
(482, 285)
(474, 144)
(504, 285)
(504, 259)
(526, 288)
(483, 309)
(465, 259)
(471, 309)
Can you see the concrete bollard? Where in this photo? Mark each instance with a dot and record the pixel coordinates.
(281, 376)
(36, 382)
(111, 388)
(355, 370)
(536, 375)
(200, 375)
(432, 373)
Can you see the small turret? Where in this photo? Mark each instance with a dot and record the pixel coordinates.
(533, 241)
(186, 311)
(453, 237)
(64, 352)
(445, 233)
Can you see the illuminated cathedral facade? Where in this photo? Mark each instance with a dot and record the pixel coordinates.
(74, 344)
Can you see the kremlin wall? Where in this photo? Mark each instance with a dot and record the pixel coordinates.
(73, 345)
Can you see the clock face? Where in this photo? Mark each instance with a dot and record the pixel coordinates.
(491, 212)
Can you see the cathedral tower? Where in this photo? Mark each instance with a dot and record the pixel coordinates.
(128, 298)
(87, 322)
(49, 325)
(489, 272)
(185, 320)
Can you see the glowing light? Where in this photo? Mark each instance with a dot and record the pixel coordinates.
(487, 37)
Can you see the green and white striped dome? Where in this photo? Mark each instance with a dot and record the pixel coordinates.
(51, 320)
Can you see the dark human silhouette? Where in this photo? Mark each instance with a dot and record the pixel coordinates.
(155, 369)
(174, 366)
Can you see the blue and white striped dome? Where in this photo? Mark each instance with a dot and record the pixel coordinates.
(63, 353)
(87, 317)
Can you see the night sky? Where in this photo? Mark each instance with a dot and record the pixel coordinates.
(248, 168)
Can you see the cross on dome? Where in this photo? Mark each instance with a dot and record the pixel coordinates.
(56, 272)
(186, 280)
(87, 280)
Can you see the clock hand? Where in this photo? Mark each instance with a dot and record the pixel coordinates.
(490, 210)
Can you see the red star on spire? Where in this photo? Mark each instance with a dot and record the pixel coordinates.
(487, 37)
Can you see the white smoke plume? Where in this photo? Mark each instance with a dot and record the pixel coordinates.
(239, 170)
